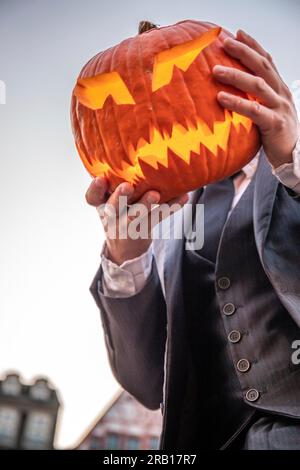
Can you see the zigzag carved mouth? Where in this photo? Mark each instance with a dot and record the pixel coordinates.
(182, 141)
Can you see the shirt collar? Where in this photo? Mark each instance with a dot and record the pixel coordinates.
(250, 168)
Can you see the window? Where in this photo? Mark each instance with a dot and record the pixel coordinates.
(9, 425)
(11, 385)
(113, 442)
(95, 443)
(40, 391)
(153, 442)
(113, 412)
(133, 443)
(38, 430)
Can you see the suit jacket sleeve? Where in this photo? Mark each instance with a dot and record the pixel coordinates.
(135, 331)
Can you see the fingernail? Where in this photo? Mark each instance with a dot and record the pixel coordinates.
(241, 31)
(223, 96)
(98, 180)
(153, 198)
(219, 69)
(230, 41)
(126, 189)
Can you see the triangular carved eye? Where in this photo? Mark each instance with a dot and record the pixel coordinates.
(93, 91)
(181, 56)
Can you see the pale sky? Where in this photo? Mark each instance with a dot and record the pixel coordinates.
(50, 239)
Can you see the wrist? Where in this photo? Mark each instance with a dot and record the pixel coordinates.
(281, 159)
(118, 254)
(277, 159)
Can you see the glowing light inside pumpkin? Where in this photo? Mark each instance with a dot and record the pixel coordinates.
(93, 91)
(182, 141)
(181, 56)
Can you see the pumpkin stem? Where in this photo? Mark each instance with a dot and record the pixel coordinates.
(146, 26)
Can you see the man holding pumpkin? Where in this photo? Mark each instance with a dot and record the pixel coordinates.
(207, 334)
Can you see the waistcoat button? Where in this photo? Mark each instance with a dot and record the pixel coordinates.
(243, 365)
(224, 283)
(252, 394)
(234, 336)
(228, 309)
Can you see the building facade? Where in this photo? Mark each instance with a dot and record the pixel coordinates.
(124, 424)
(28, 413)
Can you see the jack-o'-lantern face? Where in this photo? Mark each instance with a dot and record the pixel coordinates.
(146, 112)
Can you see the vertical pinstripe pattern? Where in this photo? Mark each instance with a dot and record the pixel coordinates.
(135, 327)
(273, 433)
(266, 329)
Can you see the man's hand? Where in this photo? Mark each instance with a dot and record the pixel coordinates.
(120, 249)
(274, 112)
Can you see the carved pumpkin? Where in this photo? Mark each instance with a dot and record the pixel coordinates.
(146, 112)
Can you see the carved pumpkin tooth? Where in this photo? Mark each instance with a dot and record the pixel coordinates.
(149, 115)
(145, 133)
(192, 122)
(167, 130)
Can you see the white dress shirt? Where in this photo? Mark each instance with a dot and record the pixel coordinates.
(131, 276)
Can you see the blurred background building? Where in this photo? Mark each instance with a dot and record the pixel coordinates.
(124, 424)
(28, 413)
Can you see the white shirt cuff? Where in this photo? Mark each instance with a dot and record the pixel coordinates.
(128, 278)
(289, 173)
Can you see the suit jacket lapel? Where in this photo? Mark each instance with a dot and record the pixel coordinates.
(176, 366)
(173, 257)
(264, 197)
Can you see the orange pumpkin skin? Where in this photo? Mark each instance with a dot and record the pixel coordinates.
(171, 136)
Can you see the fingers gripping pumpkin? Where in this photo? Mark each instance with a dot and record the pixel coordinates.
(146, 112)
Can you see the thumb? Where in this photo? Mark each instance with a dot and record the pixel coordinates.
(96, 193)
